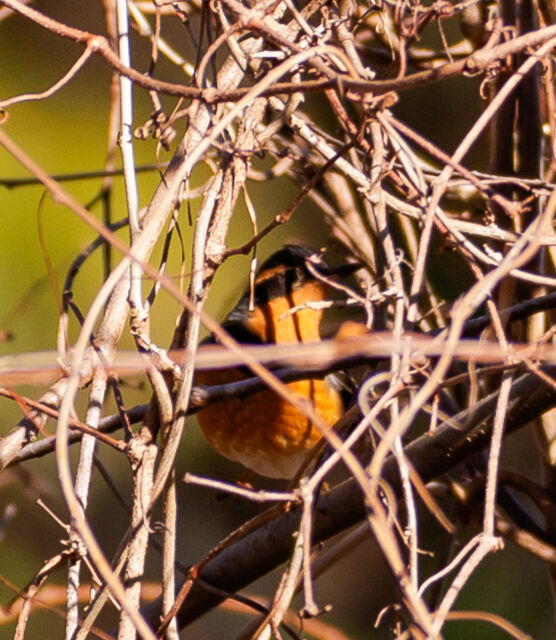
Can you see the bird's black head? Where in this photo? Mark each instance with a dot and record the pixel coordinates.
(290, 268)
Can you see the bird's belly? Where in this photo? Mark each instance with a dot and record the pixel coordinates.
(262, 431)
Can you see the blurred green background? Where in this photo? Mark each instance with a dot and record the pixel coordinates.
(67, 133)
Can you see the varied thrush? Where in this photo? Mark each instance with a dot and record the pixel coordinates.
(263, 431)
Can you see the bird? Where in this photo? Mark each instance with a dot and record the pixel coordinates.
(263, 431)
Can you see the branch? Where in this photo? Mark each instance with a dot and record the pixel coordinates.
(474, 64)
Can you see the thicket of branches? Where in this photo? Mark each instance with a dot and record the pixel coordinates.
(443, 381)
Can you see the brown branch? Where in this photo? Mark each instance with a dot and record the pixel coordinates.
(76, 425)
(476, 63)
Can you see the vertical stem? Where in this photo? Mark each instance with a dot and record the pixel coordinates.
(169, 555)
(126, 147)
(145, 455)
(82, 484)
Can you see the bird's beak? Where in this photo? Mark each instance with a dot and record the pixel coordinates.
(341, 270)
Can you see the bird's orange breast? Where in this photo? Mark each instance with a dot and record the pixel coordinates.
(263, 431)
